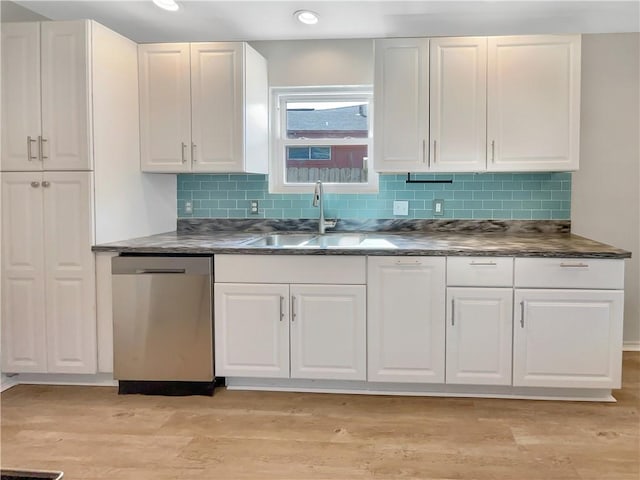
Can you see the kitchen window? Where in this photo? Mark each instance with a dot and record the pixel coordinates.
(321, 133)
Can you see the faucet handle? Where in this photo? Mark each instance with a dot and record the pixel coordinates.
(330, 223)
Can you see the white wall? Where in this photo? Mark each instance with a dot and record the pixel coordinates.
(318, 62)
(605, 200)
(12, 12)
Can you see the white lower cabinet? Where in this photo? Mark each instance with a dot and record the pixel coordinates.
(567, 338)
(48, 294)
(328, 332)
(479, 331)
(297, 331)
(428, 324)
(251, 330)
(311, 327)
(406, 319)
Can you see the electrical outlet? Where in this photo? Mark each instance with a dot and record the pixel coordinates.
(254, 207)
(188, 208)
(401, 207)
(438, 207)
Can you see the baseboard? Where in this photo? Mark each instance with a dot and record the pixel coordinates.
(6, 382)
(97, 380)
(631, 346)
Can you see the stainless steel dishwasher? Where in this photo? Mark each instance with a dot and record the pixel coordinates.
(163, 324)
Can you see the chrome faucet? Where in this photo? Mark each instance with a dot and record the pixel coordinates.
(318, 201)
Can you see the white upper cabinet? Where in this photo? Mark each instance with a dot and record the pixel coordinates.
(47, 118)
(533, 117)
(165, 107)
(203, 108)
(473, 104)
(458, 104)
(401, 96)
(217, 138)
(21, 121)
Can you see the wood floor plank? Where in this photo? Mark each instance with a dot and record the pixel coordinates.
(92, 433)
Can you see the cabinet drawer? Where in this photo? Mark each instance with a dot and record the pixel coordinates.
(569, 273)
(480, 271)
(348, 270)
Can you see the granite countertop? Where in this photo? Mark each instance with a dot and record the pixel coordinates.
(485, 241)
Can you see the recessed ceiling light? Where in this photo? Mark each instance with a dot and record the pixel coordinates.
(307, 17)
(170, 5)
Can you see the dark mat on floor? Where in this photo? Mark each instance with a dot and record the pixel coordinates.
(29, 475)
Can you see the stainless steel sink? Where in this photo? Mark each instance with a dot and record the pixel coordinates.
(313, 240)
(336, 240)
(282, 240)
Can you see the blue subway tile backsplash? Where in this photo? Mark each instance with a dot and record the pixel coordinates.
(515, 196)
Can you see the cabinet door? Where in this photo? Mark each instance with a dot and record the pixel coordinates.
(70, 272)
(479, 325)
(216, 107)
(21, 124)
(402, 105)
(23, 320)
(406, 319)
(567, 338)
(328, 332)
(533, 117)
(165, 107)
(251, 330)
(458, 104)
(66, 96)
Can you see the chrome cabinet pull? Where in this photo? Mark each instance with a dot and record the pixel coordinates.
(493, 150)
(46, 184)
(35, 184)
(483, 264)
(574, 265)
(434, 151)
(42, 141)
(424, 151)
(453, 312)
(193, 152)
(408, 262)
(281, 308)
(293, 308)
(183, 146)
(29, 142)
(522, 314)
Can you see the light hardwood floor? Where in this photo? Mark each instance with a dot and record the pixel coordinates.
(92, 433)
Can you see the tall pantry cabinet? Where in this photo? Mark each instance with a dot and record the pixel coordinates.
(69, 154)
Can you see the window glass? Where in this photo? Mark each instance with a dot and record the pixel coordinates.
(321, 133)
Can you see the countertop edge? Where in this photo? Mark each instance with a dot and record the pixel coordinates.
(243, 250)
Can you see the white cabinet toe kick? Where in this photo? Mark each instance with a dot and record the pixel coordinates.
(498, 327)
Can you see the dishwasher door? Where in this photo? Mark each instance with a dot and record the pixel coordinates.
(162, 318)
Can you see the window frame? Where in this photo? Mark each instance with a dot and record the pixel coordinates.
(279, 142)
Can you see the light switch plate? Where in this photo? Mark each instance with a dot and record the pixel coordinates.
(438, 207)
(401, 207)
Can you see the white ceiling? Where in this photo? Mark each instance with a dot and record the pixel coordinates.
(273, 20)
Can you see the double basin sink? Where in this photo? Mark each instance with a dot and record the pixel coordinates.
(314, 240)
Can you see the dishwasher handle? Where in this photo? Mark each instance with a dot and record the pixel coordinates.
(147, 271)
(140, 265)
